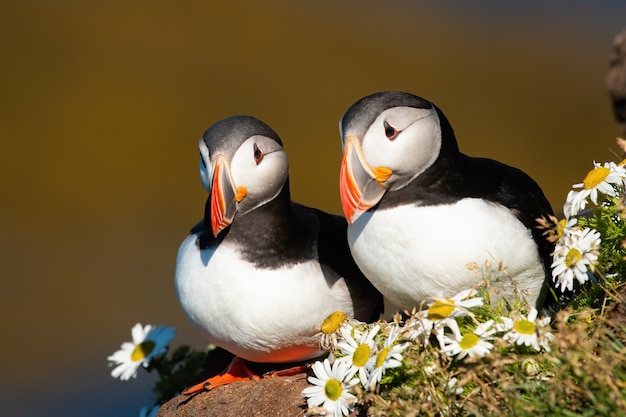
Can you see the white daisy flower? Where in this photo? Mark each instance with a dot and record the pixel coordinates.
(544, 333)
(475, 344)
(440, 314)
(418, 326)
(573, 256)
(390, 356)
(566, 226)
(575, 202)
(148, 342)
(555, 229)
(330, 388)
(601, 179)
(358, 350)
(330, 327)
(528, 331)
(456, 306)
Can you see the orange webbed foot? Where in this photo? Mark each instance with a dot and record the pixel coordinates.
(237, 371)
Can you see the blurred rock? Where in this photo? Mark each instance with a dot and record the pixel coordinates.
(275, 396)
(616, 78)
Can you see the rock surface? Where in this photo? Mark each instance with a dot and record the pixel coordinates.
(276, 396)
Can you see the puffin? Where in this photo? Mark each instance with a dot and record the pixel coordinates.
(421, 213)
(259, 273)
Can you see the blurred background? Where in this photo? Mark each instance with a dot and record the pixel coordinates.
(103, 103)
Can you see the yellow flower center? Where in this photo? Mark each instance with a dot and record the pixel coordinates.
(441, 309)
(595, 177)
(333, 389)
(572, 257)
(332, 323)
(361, 355)
(380, 358)
(142, 350)
(560, 227)
(382, 173)
(524, 326)
(468, 341)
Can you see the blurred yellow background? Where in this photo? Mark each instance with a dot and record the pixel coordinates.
(103, 103)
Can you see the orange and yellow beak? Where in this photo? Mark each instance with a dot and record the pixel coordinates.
(224, 196)
(360, 186)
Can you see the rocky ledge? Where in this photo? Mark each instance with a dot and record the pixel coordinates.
(276, 396)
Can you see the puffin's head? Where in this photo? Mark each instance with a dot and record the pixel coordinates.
(242, 165)
(388, 139)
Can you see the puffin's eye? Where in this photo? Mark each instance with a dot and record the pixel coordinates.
(258, 154)
(390, 131)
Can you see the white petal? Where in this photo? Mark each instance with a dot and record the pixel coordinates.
(139, 334)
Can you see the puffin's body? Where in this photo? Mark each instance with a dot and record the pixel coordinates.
(260, 273)
(421, 212)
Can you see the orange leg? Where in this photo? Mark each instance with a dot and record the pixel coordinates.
(237, 371)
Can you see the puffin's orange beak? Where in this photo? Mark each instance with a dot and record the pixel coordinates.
(360, 186)
(223, 197)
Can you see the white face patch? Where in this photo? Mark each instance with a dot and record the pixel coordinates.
(415, 147)
(261, 166)
(205, 165)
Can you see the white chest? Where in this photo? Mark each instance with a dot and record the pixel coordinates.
(411, 253)
(261, 315)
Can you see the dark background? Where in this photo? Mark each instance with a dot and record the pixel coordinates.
(103, 103)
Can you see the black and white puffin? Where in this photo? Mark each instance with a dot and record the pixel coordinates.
(420, 211)
(259, 273)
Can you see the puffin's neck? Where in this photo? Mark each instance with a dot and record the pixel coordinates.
(271, 222)
(271, 236)
(439, 184)
(262, 223)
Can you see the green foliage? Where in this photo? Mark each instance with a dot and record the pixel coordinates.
(584, 374)
(608, 219)
(181, 370)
